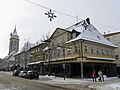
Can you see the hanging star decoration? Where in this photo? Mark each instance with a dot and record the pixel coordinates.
(50, 15)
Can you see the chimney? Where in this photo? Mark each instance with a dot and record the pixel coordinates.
(104, 33)
(88, 20)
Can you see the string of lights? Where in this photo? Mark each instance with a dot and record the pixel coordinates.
(51, 9)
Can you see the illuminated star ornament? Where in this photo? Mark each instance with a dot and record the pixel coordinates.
(50, 15)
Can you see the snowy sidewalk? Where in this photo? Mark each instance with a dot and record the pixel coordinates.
(112, 83)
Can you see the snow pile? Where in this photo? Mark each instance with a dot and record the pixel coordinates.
(60, 80)
(46, 77)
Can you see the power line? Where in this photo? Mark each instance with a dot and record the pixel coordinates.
(50, 9)
(108, 26)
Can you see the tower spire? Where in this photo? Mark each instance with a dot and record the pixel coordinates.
(15, 31)
(14, 41)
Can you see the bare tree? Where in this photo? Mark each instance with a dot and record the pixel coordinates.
(45, 37)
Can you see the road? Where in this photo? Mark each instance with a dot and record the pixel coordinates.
(17, 83)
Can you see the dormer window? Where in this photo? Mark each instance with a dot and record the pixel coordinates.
(74, 35)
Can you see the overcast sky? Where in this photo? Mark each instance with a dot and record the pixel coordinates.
(31, 22)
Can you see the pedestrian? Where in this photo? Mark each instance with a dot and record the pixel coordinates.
(100, 76)
(94, 75)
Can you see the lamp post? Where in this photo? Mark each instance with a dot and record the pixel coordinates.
(49, 63)
(64, 64)
(48, 49)
(82, 41)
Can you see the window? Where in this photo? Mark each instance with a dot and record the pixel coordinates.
(68, 52)
(111, 52)
(58, 53)
(98, 51)
(74, 35)
(102, 50)
(92, 50)
(11, 43)
(107, 52)
(86, 49)
(15, 43)
(76, 50)
(116, 57)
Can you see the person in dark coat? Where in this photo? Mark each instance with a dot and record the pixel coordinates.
(94, 75)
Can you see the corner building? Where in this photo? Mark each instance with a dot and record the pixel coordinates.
(79, 49)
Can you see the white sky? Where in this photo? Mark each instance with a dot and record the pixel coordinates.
(32, 23)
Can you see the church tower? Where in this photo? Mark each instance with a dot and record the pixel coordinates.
(14, 42)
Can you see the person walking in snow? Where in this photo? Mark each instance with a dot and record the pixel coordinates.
(94, 75)
(100, 75)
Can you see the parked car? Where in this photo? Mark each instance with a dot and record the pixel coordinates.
(32, 75)
(22, 74)
(35, 74)
(29, 75)
(16, 72)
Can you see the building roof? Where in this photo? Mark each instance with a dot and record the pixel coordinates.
(90, 33)
(110, 34)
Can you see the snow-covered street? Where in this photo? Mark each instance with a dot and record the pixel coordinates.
(112, 83)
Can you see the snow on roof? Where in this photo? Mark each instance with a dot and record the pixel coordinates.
(90, 33)
(35, 62)
(46, 48)
(11, 56)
